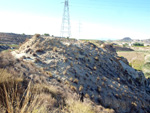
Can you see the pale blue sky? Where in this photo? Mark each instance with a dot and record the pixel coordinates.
(100, 19)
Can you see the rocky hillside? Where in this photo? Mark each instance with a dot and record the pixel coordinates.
(12, 38)
(93, 72)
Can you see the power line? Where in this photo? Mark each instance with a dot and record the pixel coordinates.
(65, 27)
(108, 4)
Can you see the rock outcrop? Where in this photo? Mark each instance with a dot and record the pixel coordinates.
(103, 77)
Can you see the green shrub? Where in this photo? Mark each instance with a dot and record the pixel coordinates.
(138, 44)
(125, 45)
(46, 34)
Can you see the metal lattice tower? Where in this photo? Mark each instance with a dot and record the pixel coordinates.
(65, 27)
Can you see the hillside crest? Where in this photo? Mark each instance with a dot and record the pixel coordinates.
(100, 75)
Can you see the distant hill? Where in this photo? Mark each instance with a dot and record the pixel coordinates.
(12, 38)
(126, 39)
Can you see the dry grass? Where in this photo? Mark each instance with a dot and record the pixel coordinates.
(73, 88)
(38, 88)
(137, 64)
(130, 56)
(6, 59)
(96, 58)
(94, 68)
(80, 88)
(75, 80)
(49, 74)
(87, 95)
(136, 59)
(78, 107)
(15, 98)
(17, 95)
(20, 96)
(6, 77)
(146, 69)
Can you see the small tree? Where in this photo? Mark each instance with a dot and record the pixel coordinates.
(46, 34)
(125, 45)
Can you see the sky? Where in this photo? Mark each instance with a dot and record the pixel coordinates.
(90, 19)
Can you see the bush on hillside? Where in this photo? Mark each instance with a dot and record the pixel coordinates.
(126, 45)
(46, 34)
(138, 44)
(6, 59)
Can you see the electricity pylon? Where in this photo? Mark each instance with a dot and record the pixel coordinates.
(65, 27)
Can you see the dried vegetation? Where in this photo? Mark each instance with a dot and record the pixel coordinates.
(19, 94)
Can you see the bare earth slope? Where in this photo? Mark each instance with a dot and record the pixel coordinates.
(101, 76)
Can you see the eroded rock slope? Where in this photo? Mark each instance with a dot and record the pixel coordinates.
(101, 76)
